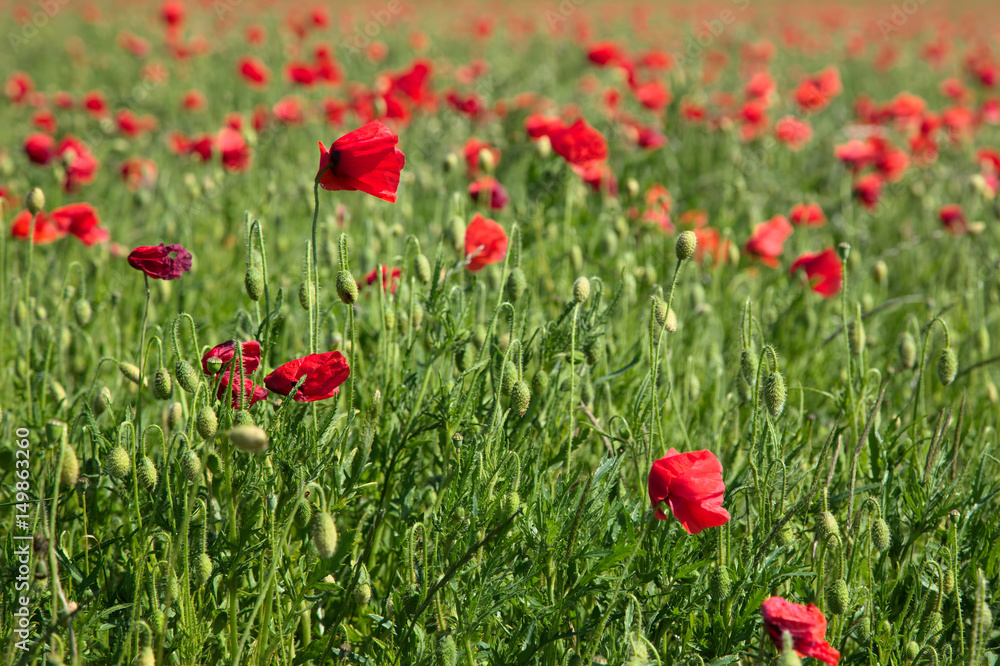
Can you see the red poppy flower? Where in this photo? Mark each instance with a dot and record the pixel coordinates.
(653, 95)
(768, 240)
(193, 100)
(172, 12)
(18, 86)
(390, 278)
(807, 215)
(324, 374)
(161, 262)
(691, 483)
(40, 148)
(201, 146)
(605, 53)
(234, 150)
(824, 270)
(579, 143)
(80, 164)
(599, 177)
(80, 219)
(95, 104)
(138, 173)
(538, 126)
(226, 352)
(793, 132)
(366, 159)
(46, 230)
(473, 147)
(711, 244)
(470, 105)
(485, 243)
(855, 153)
(489, 186)
(254, 71)
(806, 625)
(45, 120)
(868, 189)
(953, 218)
(251, 394)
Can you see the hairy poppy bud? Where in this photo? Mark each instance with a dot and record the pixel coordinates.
(686, 244)
(347, 288)
(175, 415)
(660, 312)
(191, 466)
(520, 397)
(721, 583)
(670, 324)
(540, 382)
(202, 569)
(70, 470)
(517, 284)
(907, 350)
(34, 201)
(147, 474)
(581, 289)
(207, 422)
(253, 281)
(787, 535)
(912, 650)
(838, 597)
(324, 535)
(249, 438)
(748, 366)
(117, 463)
(594, 351)
(791, 658)
(455, 233)
(303, 514)
(509, 505)
(587, 392)
(948, 582)
(145, 657)
(774, 394)
(935, 623)
(307, 294)
(881, 536)
(947, 366)
(827, 527)
(242, 417)
(880, 272)
(130, 372)
(158, 621)
(362, 594)
(509, 377)
(163, 388)
(463, 358)
(422, 269)
(856, 336)
(82, 312)
(187, 378)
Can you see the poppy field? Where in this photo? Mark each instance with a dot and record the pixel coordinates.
(531, 333)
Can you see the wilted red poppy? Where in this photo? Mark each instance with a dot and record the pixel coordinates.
(768, 240)
(80, 219)
(824, 270)
(46, 230)
(807, 215)
(953, 218)
(226, 352)
(805, 624)
(40, 148)
(251, 394)
(234, 150)
(254, 71)
(485, 243)
(161, 262)
(579, 143)
(488, 186)
(691, 483)
(324, 374)
(366, 159)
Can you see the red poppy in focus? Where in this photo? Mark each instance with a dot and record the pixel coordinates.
(485, 243)
(806, 625)
(691, 483)
(579, 143)
(768, 240)
(390, 278)
(46, 231)
(40, 148)
(251, 394)
(868, 189)
(324, 374)
(226, 352)
(824, 270)
(161, 262)
(953, 218)
(807, 215)
(234, 150)
(80, 219)
(254, 71)
(491, 187)
(366, 159)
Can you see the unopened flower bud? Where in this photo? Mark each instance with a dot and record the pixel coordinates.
(686, 244)
(543, 146)
(856, 336)
(70, 470)
(827, 526)
(660, 312)
(187, 378)
(362, 594)
(145, 657)
(509, 377)
(207, 422)
(253, 281)
(422, 269)
(520, 397)
(34, 201)
(517, 284)
(721, 583)
(880, 272)
(447, 648)
(202, 569)
(838, 597)
(455, 233)
(147, 474)
(947, 366)
(912, 650)
(249, 438)
(632, 187)
(907, 350)
(163, 387)
(450, 162)
(486, 160)
(82, 312)
(118, 464)
(191, 466)
(130, 372)
(581, 289)
(881, 536)
(540, 383)
(324, 535)
(175, 415)
(242, 417)
(670, 323)
(509, 505)
(774, 394)
(347, 288)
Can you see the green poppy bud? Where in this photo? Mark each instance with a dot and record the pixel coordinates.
(191, 466)
(517, 284)
(856, 336)
(838, 597)
(249, 438)
(422, 269)
(880, 271)
(907, 350)
(455, 233)
(912, 650)
(509, 377)
(581, 289)
(670, 323)
(118, 464)
(175, 415)
(881, 536)
(70, 470)
(347, 288)
(242, 417)
(254, 282)
(827, 526)
(509, 505)
(721, 583)
(147, 474)
(307, 294)
(540, 382)
(82, 312)
(163, 387)
(34, 200)
(774, 394)
(446, 653)
(324, 535)
(948, 582)
(145, 657)
(520, 397)
(130, 372)
(207, 422)
(362, 594)
(660, 312)
(686, 244)
(203, 568)
(187, 378)
(947, 366)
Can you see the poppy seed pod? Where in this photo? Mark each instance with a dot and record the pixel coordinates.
(34, 201)
(191, 466)
(838, 597)
(517, 284)
(686, 244)
(581, 289)
(163, 387)
(207, 422)
(130, 372)
(213, 365)
(520, 397)
(721, 583)
(249, 438)
(187, 378)
(881, 536)
(827, 527)
(422, 269)
(117, 463)
(202, 569)
(347, 288)
(447, 650)
(774, 394)
(324, 535)
(147, 474)
(907, 350)
(70, 470)
(947, 366)
(82, 312)
(253, 281)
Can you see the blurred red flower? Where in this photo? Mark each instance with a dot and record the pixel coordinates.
(390, 278)
(40, 148)
(806, 625)
(80, 220)
(472, 149)
(161, 262)
(579, 143)
(807, 215)
(366, 159)
(254, 71)
(868, 189)
(46, 230)
(485, 243)
(793, 132)
(491, 187)
(824, 271)
(768, 240)
(691, 484)
(953, 218)
(234, 150)
(324, 374)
